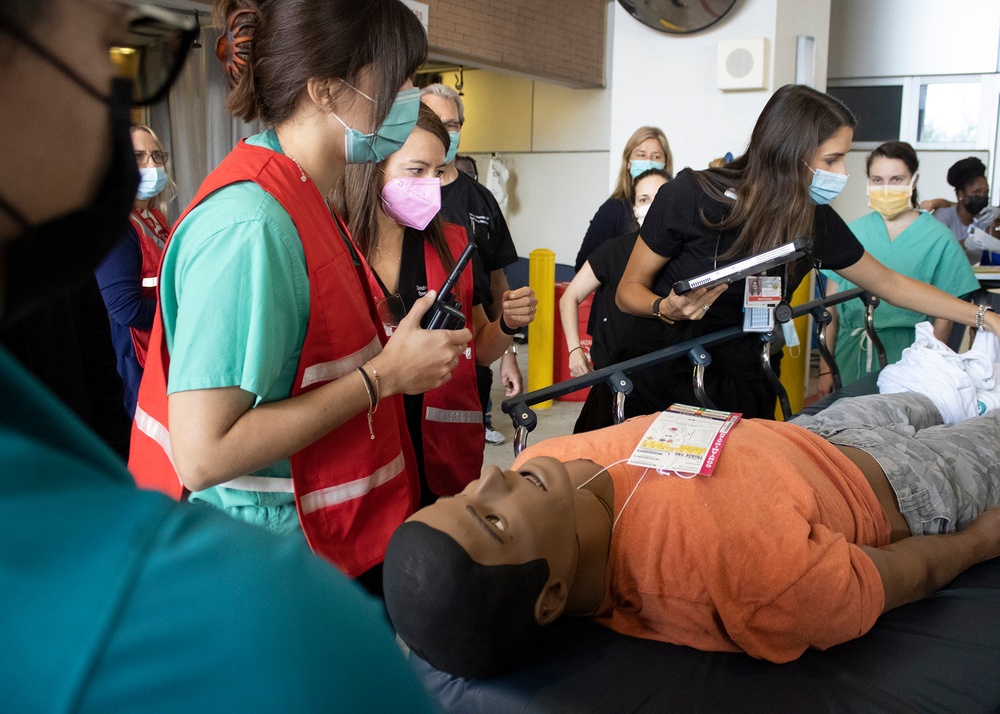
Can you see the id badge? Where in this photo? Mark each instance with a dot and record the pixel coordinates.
(762, 291)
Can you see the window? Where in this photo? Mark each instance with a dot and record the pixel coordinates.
(877, 107)
(946, 112)
(949, 113)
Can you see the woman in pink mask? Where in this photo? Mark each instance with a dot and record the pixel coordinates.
(392, 212)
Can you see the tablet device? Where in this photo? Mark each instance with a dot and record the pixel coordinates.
(748, 266)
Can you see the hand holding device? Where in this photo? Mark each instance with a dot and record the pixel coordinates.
(446, 312)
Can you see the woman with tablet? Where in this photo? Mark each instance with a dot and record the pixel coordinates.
(775, 193)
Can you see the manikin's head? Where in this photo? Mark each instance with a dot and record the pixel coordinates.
(470, 580)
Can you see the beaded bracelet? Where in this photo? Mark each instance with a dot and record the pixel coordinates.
(980, 313)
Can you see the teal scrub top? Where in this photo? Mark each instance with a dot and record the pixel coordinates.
(234, 296)
(117, 599)
(924, 251)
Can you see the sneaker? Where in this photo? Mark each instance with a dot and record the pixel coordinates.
(493, 436)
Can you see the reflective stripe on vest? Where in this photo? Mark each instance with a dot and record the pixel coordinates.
(344, 492)
(454, 416)
(264, 484)
(155, 431)
(335, 369)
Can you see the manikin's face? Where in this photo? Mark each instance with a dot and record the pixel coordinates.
(509, 518)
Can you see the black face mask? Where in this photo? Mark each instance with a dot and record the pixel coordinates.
(975, 204)
(54, 258)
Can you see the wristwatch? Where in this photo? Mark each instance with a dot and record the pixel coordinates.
(660, 315)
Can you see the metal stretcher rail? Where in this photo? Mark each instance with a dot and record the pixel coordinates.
(525, 420)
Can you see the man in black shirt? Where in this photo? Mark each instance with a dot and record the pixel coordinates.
(467, 203)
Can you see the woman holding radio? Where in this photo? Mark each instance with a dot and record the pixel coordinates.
(775, 193)
(270, 390)
(392, 210)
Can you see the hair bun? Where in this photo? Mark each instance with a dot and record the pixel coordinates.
(235, 43)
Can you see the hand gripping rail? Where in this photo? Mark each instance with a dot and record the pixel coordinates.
(525, 420)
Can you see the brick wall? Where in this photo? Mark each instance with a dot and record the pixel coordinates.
(551, 39)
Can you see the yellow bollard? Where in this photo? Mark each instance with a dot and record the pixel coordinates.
(795, 370)
(542, 279)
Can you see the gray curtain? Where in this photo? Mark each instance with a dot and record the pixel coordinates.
(193, 123)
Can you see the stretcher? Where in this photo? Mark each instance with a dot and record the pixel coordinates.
(697, 351)
(936, 655)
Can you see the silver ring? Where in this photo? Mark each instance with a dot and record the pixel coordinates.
(705, 307)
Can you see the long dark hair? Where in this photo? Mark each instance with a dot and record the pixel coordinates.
(771, 178)
(896, 150)
(363, 198)
(289, 42)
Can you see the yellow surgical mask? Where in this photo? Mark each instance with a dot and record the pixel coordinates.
(890, 201)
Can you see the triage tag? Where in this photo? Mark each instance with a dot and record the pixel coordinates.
(762, 291)
(684, 439)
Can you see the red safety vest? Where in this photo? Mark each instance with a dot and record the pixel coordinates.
(351, 491)
(152, 235)
(453, 430)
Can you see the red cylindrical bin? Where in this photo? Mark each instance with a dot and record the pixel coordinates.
(560, 357)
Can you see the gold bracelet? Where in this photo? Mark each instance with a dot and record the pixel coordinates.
(372, 400)
(378, 385)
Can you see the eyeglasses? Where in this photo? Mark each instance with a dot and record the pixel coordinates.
(158, 157)
(153, 49)
(151, 52)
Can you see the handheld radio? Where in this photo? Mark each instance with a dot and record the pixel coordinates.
(446, 312)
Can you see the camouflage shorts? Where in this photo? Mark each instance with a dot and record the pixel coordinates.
(944, 476)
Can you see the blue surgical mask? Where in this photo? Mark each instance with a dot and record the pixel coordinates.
(825, 185)
(453, 147)
(389, 138)
(641, 166)
(152, 181)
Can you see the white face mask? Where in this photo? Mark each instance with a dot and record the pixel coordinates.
(641, 211)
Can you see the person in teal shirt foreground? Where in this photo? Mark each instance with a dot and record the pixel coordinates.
(117, 599)
(910, 242)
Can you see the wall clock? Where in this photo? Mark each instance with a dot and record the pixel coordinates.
(679, 17)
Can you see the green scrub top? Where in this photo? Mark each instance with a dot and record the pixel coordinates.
(234, 296)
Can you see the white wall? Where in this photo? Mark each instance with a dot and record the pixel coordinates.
(669, 81)
(899, 38)
(577, 136)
